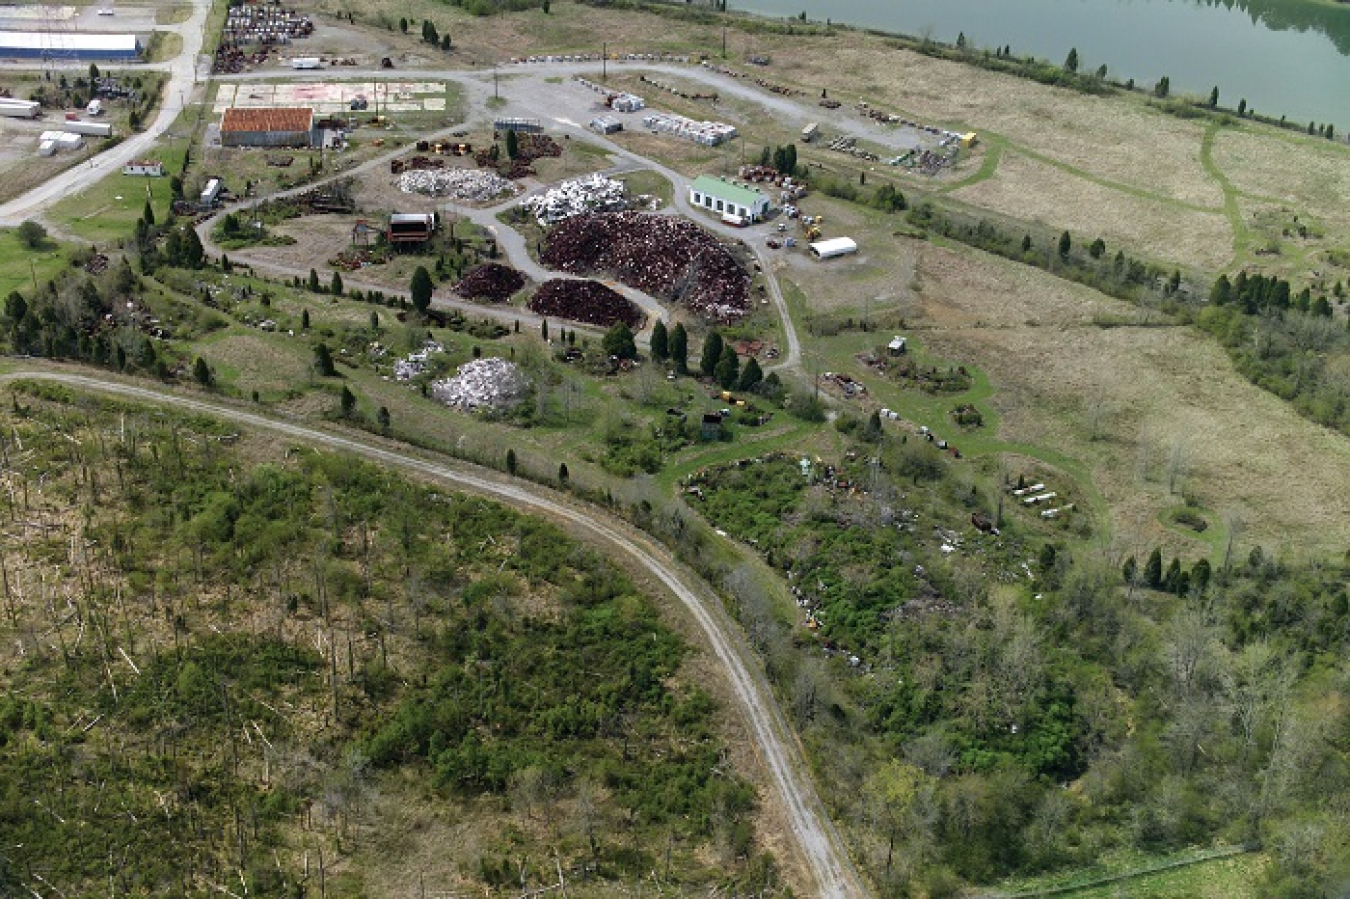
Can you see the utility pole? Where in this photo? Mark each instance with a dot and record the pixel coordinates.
(496, 94)
(604, 60)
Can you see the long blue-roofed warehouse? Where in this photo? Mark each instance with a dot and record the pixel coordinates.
(67, 45)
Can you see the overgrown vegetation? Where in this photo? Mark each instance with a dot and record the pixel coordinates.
(254, 655)
(959, 681)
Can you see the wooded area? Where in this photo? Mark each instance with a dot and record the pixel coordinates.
(234, 666)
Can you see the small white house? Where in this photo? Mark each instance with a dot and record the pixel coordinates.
(145, 168)
(837, 246)
(728, 199)
(897, 346)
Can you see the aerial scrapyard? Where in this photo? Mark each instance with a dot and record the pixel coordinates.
(585, 301)
(491, 281)
(666, 257)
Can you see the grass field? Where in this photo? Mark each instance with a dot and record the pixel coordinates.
(105, 211)
(20, 266)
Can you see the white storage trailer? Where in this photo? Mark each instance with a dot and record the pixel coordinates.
(96, 129)
(306, 62)
(19, 109)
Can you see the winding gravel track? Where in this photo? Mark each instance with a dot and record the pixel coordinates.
(816, 837)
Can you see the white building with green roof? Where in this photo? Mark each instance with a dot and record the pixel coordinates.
(728, 198)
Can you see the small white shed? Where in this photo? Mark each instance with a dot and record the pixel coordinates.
(836, 246)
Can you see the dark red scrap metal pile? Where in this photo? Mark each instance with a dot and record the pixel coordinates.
(491, 281)
(666, 257)
(585, 301)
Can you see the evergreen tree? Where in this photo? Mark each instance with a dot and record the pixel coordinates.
(313, 281)
(336, 287)
(660, 342)
(1071, 61)
(421, 289)
(1129, 570)
(1242, 107)
(751, 375)
(383, 419)
(194, 254)
(1153, 570)
(679, 348)
(323, 361)
(1065, 244)
(1221, 292)
(563, 474)
(512, 145)
(543, 329)
(201, 372)
(510, 461)
(304, 319)
(1163, 88)
(728, 370)
(1026, 243)
(403, 25)
(1214, 97)
(1097, 248)
(712, 353)
(348, 402)
(149, 213)
(618, 342)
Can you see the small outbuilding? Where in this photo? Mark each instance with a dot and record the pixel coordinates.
(411, 227)
(145, 168)
(834, 247)
(267, 126)
(728, 198)
(897, 346)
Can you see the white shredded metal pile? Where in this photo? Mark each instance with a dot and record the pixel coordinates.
(483, 383)
(589, 193)
(463, 184)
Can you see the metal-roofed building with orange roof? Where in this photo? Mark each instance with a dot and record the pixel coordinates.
(267, 126)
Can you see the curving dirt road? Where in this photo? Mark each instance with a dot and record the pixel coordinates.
(816, 837)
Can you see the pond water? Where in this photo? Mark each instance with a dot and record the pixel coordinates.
(1284, 57)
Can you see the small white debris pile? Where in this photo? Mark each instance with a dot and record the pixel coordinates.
(414, 364)
(483, 384)
(589, 193)
(462, 184)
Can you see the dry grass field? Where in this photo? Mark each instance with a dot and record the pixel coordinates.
(1030, 190)
(1154, 391)
(1310, 174)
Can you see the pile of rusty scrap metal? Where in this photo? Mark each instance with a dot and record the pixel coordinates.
(585, 301)
(670, 258)
(491, 281)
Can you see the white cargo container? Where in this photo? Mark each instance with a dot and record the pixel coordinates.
(306, 62)
(47, 148)
(19, 109)
(95, 129)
